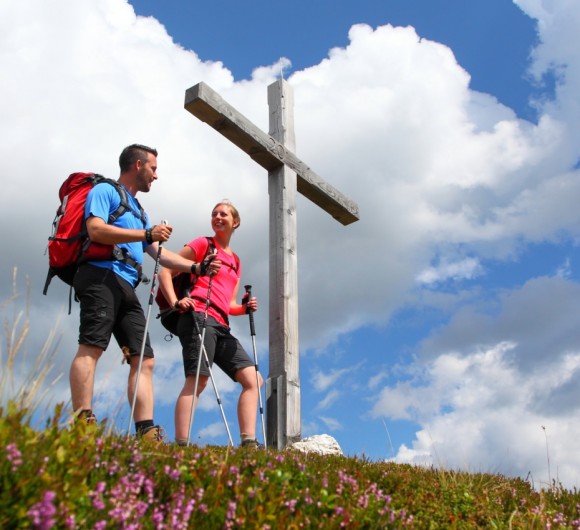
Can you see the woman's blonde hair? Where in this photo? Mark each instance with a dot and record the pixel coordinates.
(233, 210)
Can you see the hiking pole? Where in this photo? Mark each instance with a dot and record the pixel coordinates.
(142, 353)
(201, 349)
(219, 401)
(253, 334)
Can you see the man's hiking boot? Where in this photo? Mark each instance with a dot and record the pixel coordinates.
(155, 435)
(251, 443)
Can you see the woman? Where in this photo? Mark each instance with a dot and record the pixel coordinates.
(221, 282)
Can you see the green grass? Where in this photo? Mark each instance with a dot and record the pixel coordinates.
(78, 476)
(64, 475)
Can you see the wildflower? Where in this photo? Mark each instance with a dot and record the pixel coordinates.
(157, 517)
(231, 513)
(14, 456)
(363, 501)
(42, 512)
(97, 496)
(173, 474)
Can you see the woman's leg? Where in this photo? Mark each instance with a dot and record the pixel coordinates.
(248, 402)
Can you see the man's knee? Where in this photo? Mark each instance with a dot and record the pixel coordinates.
(146, 366)
(92, 352)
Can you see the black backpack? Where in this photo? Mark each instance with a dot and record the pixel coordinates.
(183, 283)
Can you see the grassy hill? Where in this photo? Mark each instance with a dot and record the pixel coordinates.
(86, 477)
(77, 476)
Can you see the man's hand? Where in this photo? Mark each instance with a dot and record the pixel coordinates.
(161, 232)
(210, 266)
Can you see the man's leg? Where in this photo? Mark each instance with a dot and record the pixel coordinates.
(144, 401)
(184, 403)
(82, 376)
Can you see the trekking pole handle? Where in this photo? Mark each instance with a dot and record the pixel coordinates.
(156, 270)
(248, 289)
(163, 222)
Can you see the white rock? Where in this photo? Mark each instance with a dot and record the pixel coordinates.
(323, 444)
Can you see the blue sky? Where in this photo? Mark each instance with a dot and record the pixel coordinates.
(442, 327)
(492, 39)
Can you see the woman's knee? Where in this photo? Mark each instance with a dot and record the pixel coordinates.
(190, 383)
(247, 378)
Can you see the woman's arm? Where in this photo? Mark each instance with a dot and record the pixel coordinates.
(240, 309)
(165, 278)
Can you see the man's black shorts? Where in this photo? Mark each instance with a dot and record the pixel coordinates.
(109, 306)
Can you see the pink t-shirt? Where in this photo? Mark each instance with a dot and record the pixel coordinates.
(223, 283)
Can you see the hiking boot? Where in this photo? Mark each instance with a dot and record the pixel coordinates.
(251, 443)
(87, 417)
(153, 434)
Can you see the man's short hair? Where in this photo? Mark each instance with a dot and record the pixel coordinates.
(132, 153)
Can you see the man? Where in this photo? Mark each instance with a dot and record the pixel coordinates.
(106, 288)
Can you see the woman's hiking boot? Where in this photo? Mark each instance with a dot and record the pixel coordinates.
(251, 443)
(155, 435)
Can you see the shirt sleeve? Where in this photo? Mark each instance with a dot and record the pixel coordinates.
(101, 202)
(199, 247)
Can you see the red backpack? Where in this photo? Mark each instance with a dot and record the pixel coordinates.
(69, 244)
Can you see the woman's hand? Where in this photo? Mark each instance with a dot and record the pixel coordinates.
(185, 304)
(251, 304)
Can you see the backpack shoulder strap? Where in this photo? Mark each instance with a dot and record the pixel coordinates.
(237, 260)
(125, 206)
(210, 247)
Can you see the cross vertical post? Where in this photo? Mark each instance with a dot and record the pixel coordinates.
(283, 414)
(286, 174)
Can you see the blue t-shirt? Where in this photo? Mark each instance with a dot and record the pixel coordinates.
(102, 201)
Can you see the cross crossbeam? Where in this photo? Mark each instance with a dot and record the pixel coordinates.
(207, 105)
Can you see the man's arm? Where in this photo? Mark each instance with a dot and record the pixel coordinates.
(176, 262)
(106, 234)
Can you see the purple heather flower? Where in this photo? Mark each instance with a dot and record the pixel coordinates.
(70, 521)
(42, 512)
(14, 456)
(231, 513)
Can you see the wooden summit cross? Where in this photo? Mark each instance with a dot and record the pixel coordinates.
(286, 174)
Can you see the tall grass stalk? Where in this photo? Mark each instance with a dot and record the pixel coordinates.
(27, 391)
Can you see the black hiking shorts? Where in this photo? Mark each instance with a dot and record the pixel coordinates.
(109, 306)
(222, 347)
